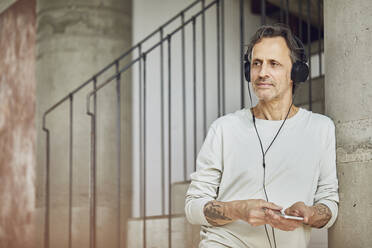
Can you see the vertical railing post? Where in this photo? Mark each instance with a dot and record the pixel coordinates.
(118, 147)
(309, 52)
(281, 11)
(194, 84)
(204, 72)
(144, 151)
(241, 7)
(47, 185)
(184, 97)
(300, 19)
(169, 143)
(70, 172)
(141, 151)
(320, 38)
(162, 145)
(93, 165)
(287, 12)
(218, 59)
(223, 55)
(263, 12)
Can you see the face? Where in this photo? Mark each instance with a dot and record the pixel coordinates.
(271, 69)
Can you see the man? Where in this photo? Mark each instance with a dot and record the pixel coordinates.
(257, 162)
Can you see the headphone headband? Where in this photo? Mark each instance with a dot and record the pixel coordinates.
(301, 47)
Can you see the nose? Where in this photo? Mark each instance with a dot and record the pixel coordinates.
(263, 73)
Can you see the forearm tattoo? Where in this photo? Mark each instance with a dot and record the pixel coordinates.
(322, 215)
(216, 213)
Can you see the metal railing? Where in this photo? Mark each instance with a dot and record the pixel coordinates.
(268, 12)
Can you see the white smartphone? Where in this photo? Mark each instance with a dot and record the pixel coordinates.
(291, 217)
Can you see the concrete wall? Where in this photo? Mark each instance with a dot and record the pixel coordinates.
(17, 128)
(76, 39)
(348, 95)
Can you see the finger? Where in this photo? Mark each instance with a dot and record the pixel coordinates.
(282, 226)
(291, 211)
(280, 222)
(286, 224)
(272, 215)
(288, 211)
(271, 205)
(289, 226)
(286, 221)
(306, 220)
(293, 223)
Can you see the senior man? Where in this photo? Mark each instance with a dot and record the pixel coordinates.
(257, 164)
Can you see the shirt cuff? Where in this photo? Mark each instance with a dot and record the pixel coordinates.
(196, 207)
(333, 206)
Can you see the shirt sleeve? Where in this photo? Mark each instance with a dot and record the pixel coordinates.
(327, 190)
(206, 180)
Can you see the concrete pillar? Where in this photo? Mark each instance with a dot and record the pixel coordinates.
(17, 127)
(76, 39)
(348, 100)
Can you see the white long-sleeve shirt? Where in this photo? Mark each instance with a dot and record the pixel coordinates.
(300, 166)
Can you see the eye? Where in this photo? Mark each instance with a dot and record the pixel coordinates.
(274, 64)
(256, 63)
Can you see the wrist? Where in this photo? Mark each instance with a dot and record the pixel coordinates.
(231, 208)
(311, 211)
(321, 215)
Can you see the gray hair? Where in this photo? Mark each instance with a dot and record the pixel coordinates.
(297, 52)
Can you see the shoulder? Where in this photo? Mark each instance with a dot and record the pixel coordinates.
(319, 123)
(231, 120)
(321, 120)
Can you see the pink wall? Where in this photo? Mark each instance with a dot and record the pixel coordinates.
(17, 128)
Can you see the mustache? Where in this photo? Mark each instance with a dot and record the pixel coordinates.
(264, 81)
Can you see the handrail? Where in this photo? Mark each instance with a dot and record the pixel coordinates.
(125, 54)
(107, 81)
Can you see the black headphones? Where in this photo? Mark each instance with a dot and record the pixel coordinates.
(299, 72)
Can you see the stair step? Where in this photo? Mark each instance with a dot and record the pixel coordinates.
(179, 190)
(183, 234)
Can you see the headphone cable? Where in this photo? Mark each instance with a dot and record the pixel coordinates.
(263, 161)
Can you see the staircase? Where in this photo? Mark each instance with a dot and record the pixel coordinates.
(185, 74)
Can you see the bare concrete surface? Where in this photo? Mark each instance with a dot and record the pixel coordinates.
(75, 40)
(348, 100)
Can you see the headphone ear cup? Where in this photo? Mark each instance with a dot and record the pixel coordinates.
(299, 72)
(247, 71)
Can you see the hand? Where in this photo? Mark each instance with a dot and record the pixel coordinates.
(277, 221)
(252, 211)
(300, 209)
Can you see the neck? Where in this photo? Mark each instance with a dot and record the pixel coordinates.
(274, 110)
